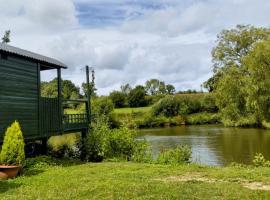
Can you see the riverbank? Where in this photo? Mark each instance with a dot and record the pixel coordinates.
(143, 118)
(127, 180)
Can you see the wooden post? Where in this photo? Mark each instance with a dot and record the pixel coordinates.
(88, 107)
(59, 91)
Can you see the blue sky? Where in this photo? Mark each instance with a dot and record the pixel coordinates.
(128, 41)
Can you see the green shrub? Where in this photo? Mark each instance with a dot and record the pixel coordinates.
(119, 143)
(103, 142)
(209, 103)
(95, 140)
(168, 106)
(119, 99)
(102, 106)
(260, 161)
(142, 152)
(179, 155)
(202, 118)
(12, 152)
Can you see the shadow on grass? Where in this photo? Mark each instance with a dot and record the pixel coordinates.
(40, 164)
(6, 185)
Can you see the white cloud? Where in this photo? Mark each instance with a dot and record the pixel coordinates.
(170, 42)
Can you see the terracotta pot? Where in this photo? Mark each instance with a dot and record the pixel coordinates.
(7, 172)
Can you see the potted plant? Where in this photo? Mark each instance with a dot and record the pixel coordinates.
(12, 154)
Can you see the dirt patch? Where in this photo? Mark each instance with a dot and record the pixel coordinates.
(193, 177)
(256, 186)
(188, 177)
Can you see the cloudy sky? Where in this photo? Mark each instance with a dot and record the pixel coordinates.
(128, 41)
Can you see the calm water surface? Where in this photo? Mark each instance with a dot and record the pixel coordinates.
(212, 144)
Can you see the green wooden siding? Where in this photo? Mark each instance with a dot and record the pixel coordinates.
(50, 119)
(19, 95)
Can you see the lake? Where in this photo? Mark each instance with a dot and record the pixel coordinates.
(212, 144)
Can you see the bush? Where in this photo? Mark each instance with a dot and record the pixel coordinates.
(179, 155)
(95, 140)
(168, 106)
(120, 143)
(104, 143)
(12, 152)
(136, 97)
(118, 99)
(102, 106)
(203, 118)
(209, 103)
(260, 161)
(142, 152)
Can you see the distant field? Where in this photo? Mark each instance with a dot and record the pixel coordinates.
(131, 110)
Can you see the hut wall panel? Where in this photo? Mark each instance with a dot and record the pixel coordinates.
(19, 95)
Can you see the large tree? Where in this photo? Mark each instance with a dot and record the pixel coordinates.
(152, 86)
(232, 46)
(136, 97)
(257, 63)
(69, 90)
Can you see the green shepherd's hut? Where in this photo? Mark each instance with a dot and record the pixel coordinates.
(20, 96)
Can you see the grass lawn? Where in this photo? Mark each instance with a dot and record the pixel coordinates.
(131, 110)
(126, 180)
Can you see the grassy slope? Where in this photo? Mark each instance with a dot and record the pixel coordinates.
(127, 180)
(131, 110)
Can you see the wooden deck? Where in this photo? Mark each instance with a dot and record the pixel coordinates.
(53, 120)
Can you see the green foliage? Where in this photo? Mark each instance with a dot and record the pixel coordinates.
(260, 161)
(203, 118)
(120, 143)
(152, 86)
(179, 155)
(142, 153)
(136, 97)
(105, 143)
(257, 63)
(234, 44)
(168, 106)
(12, 152)
(170, 89)
(95, 141)
(118, 99)
(6, 37)
(102, 106)
(69, 90)
(125, 88)
(185, 104)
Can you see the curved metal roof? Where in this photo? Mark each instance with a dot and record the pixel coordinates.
(31, 55)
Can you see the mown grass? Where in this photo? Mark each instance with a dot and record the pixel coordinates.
(131, 110)
(126, 180)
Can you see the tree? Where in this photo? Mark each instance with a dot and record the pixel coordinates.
(230, 96)
(152, 86)
(92, 89)
(69, 90)
(257, 63)
(232, 46)
(162, 88)
(118, 98)
(136, 97)
(6, 37)
(125, 88)
(170, 89)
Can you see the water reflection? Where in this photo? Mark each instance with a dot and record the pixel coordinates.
(212, 144)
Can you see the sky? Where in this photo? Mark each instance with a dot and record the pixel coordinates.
(128, 41)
